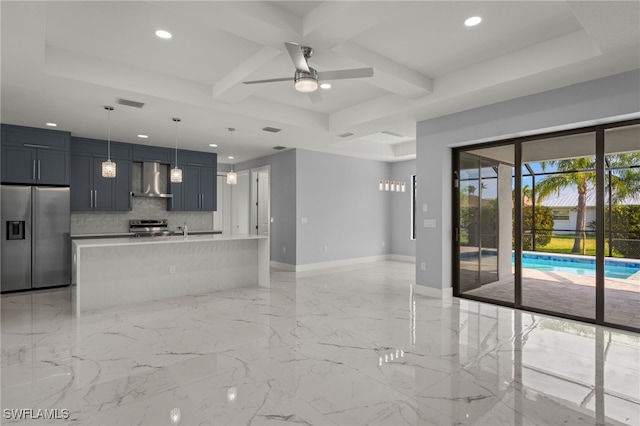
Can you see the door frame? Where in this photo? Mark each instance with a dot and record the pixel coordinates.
(600, 302)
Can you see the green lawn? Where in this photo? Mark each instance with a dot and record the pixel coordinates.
(564, 244)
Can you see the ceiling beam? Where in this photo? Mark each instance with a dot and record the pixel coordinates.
(335, 22)
(229, 88)
(389, 75)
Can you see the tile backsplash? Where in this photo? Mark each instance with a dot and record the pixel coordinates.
(143, 208)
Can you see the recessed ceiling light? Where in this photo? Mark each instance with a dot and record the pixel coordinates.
(325, 86)
(163, 34)
(52, 124)
(213, 145)
(231, 157)
(143, 136)
(473, 21)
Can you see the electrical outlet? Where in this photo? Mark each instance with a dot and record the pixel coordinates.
(423, 266)
(326, 249)
(172, 269)
(284, 249)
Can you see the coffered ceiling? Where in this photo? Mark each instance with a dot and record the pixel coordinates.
(63, 61)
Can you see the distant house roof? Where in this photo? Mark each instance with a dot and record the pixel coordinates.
(571, 200)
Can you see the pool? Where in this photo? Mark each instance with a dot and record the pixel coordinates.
(580, 265)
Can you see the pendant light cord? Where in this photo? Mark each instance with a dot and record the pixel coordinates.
(109, 109)
(176, 120)
(232, 130)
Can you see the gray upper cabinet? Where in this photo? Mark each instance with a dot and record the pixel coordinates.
(142, 153)
(89, 190)
(198, 189)
(35, 156)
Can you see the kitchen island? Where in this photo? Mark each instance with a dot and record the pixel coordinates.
(117, 271)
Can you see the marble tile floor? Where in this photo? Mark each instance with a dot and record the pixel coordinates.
(346, 346)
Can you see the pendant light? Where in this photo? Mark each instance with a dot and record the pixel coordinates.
(232, 177)
(176, 173)
(108, 167)
(386, 185)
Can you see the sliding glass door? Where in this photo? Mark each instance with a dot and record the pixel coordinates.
(622, 226)
(551, 224)
(559, 250)
(485, 223)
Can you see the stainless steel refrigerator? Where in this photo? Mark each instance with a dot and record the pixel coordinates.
(36, 247)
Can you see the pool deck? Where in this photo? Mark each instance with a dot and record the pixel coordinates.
(571, 294)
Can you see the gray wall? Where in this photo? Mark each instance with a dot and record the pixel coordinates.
(344, 209)
(607, 99)
(401, 242)
(283, 203)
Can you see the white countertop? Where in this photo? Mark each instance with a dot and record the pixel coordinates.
(131, 234)
(175, 239)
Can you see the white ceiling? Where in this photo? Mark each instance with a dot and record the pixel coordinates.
(63, 61)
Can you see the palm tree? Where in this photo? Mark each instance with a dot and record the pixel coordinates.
(582, 176)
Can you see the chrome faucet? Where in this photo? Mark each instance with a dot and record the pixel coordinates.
(184, 229)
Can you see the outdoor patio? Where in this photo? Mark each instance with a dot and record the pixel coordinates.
(571, 294)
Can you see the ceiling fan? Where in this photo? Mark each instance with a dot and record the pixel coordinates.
(306, 79)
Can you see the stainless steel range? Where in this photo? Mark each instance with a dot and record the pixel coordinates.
(150, 227)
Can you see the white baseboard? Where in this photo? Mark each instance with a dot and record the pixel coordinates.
(401, 258)
(342, 262)
(434, 293)
(284, 266)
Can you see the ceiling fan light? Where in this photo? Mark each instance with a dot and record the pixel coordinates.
(306, 84)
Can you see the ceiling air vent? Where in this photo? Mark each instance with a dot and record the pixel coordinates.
(390, 133)
(130, 103)
(271, 129)
(345, 135)
(279, 148)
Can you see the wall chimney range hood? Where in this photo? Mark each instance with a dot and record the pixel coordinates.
(152, 186)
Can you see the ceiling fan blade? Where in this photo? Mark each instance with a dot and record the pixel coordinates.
(271, 80)
(341, 74)
(297, 57)
(315, 96)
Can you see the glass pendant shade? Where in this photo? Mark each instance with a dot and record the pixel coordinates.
(403, 187)
(176, 175)
(381, 185)
(108, 169)
(232, 178)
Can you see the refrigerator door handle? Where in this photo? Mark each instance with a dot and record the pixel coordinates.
(33, 173)
(95, 198)
(38, 169)
(91, 201)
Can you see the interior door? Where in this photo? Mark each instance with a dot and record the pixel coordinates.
(263, 218)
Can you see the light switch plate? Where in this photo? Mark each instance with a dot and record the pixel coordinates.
(429, 223)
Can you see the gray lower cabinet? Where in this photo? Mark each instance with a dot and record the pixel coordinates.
(92, 192)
